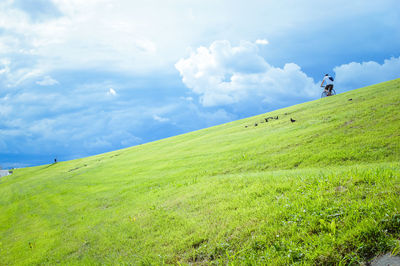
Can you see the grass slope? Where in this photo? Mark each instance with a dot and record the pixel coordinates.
(322, 190)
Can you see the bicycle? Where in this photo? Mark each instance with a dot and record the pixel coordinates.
(326, 93)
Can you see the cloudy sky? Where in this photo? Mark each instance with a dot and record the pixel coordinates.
(78, 78)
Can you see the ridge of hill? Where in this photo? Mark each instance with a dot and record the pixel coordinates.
(323, 189)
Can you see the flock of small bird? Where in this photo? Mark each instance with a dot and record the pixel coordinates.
(267, 119)
(277, 117)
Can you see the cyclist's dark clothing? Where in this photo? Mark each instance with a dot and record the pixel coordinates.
(329, 87)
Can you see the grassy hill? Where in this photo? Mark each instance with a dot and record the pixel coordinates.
(322, 190)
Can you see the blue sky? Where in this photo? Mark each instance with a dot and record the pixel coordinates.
(78, 78)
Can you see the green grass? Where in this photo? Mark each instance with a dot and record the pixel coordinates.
(322, 190)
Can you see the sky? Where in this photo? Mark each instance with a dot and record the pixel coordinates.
(79, 78)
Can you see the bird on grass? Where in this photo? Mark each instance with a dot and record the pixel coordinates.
(255, 124)
(292, 120)
(266, 119)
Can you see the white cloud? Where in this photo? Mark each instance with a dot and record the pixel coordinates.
(18, 76)
(132, 36)
(189, 99)
(355, 75)
(47, 81)
(262, 42)
(112, 92)
(146, 46)
(3, 71)
(96, 143)
(13, 74)
(160, 119)
(87, 34)
(4, 66)
(4, 109)
(222, 74)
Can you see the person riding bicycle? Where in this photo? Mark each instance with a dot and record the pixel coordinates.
(329, 84)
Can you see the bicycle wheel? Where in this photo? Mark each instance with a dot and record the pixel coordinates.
(325, 93)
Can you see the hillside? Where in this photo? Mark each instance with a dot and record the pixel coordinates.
(323, 189)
